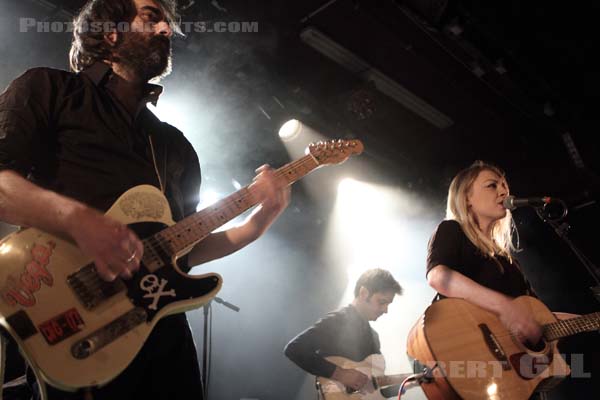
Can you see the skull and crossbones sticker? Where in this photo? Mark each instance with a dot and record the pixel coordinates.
(155, 289)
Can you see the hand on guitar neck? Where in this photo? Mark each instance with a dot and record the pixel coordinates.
(350, 378)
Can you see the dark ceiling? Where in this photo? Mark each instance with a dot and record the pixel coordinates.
(531, 86)
(511, 75)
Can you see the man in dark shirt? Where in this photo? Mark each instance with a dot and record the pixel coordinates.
(71, 143)
(346, 332)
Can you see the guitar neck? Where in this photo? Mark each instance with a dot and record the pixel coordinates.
(196, 227)
(388, 380)
(568, 327)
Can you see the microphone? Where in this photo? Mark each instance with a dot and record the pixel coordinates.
(512, 202)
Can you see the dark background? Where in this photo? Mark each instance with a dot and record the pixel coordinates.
(513, 78)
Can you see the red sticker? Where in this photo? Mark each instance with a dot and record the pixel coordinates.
(20, 290)
(62, 326)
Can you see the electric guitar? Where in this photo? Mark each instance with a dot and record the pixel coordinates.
(471, 355)
(373, 366)
(77, 330)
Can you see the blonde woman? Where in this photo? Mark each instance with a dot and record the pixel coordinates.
(470, 252)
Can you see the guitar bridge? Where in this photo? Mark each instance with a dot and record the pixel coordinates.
(494, 346)
(90, 289)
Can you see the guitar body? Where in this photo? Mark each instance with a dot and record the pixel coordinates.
(76, 330)
(478, 358)
(372, 366)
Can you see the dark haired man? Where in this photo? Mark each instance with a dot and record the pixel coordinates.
(72, 142)
(346, 332)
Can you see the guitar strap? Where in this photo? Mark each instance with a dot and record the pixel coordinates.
(158, 147)
(161, 173)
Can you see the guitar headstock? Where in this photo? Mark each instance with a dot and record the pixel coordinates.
(334, 151)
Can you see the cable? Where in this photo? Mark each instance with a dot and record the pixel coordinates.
(401, 389)
(425, 376)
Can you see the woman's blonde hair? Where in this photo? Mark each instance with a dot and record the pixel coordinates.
(500, 243)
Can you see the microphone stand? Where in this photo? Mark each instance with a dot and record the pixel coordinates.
(561, 227)
(205, 350)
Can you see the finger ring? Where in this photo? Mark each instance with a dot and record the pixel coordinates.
(131, 257)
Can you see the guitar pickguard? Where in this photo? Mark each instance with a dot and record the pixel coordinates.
(153, 291)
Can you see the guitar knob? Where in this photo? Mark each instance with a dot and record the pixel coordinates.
(82, 349)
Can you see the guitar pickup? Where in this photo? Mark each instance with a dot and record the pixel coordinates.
(90, 289)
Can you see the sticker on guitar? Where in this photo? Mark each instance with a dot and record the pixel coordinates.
(62, 326)
(21, 290)
(155, 289)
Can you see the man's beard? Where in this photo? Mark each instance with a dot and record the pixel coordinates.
(149, 57)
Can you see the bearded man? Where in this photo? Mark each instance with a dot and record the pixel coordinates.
(72, 142)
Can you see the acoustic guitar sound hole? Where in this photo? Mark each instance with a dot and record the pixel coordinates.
(537, 347)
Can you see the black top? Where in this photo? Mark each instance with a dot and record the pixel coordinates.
(340, 333)
(69, 133)
(450, 246)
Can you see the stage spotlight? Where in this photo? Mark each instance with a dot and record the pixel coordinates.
(290, 130)
(296, 136)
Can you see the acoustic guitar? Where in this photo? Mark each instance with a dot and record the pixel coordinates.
(471, 355)
(373, 366)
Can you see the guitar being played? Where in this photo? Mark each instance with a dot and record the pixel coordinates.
(341, 348)
(470, 258)
(78, 330)
(81, 291)
(473, 356)
(373, 367)
(71, 142)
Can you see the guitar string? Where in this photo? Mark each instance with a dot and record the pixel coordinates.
(155, 240)
(227, 202)
(552, 329)
(592, 322)
(211, 212)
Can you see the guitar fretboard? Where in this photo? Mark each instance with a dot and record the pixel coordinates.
(568, 327)
(196, 227)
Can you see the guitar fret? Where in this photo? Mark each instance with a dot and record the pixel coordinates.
(557, 332)
(196, 227)
(221, 212)
(565, 328)
(572, 326)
